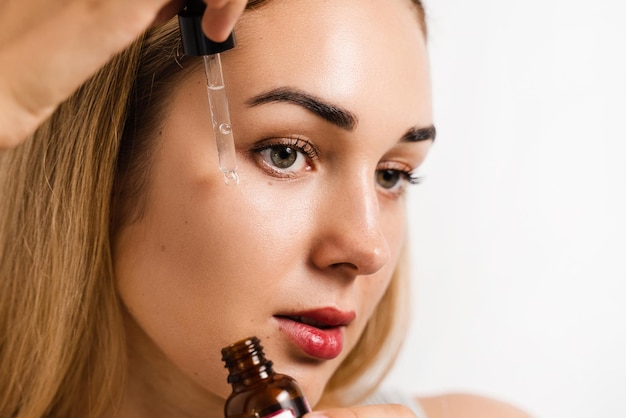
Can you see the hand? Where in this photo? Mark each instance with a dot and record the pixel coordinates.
(220, 17)
(48, 48)
(372, 411)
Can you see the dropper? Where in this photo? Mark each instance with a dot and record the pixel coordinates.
(197, 44)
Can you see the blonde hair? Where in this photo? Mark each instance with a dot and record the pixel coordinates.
(64, 193)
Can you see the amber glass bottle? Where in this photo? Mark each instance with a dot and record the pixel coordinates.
(258, 391)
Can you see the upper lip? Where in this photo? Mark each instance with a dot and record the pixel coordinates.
(321, 317)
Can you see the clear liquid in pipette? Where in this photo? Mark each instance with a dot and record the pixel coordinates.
(221, 120)
(223, 135)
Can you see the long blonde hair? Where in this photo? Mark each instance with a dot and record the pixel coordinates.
(64, 193)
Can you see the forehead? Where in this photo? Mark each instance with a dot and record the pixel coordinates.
(347, 51)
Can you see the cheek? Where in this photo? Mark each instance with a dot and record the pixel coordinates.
(393, 223)
(202, 252)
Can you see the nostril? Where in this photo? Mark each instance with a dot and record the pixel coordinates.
(362, 261)
(352, 239)
(349, 266)
(343, 253)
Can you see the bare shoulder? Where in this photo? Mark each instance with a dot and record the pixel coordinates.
(461, 405)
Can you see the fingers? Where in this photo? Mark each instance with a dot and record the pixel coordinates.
(218, 21)
(48, 48)
(44, 57)
(372, 411)
(220, 17)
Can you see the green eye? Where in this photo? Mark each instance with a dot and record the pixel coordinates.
(388, 179)
(283, 157)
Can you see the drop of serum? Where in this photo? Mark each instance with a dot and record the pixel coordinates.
(225, 128)
(231, 178)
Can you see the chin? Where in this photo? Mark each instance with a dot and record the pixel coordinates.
(313, 393)
(313, 381)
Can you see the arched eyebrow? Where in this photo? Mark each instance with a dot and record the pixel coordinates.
(334, 114)
(418, 134)
(330, 112)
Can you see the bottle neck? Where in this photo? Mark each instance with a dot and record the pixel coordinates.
(246, 364)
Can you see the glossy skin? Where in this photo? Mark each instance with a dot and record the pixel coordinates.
(209, 264)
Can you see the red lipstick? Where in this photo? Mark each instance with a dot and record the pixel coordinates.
(317, 332)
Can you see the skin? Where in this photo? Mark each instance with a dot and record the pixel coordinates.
(209, 264)
(163, 381)
(36, 78)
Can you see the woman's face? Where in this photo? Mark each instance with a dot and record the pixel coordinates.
(330, 105)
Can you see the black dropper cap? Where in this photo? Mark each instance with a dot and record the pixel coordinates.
(195, 41)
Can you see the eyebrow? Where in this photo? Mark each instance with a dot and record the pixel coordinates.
(420, 134)
(336, 115)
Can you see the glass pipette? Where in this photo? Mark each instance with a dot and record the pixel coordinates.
(220, 117)
(197, 44)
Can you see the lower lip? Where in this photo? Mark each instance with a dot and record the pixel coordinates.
(323, 344)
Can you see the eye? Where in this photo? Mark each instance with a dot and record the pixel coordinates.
(286, 156)
(394, 180)
(388, 179)
(282, 157)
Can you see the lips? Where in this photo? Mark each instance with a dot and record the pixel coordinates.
(319, 332)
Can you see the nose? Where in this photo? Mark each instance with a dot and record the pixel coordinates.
(349, 236)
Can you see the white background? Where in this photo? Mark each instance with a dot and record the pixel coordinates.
(518, 232)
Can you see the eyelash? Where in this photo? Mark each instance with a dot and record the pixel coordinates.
(411, 177)
(408, 177)
(311, 153)
(298, 144)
